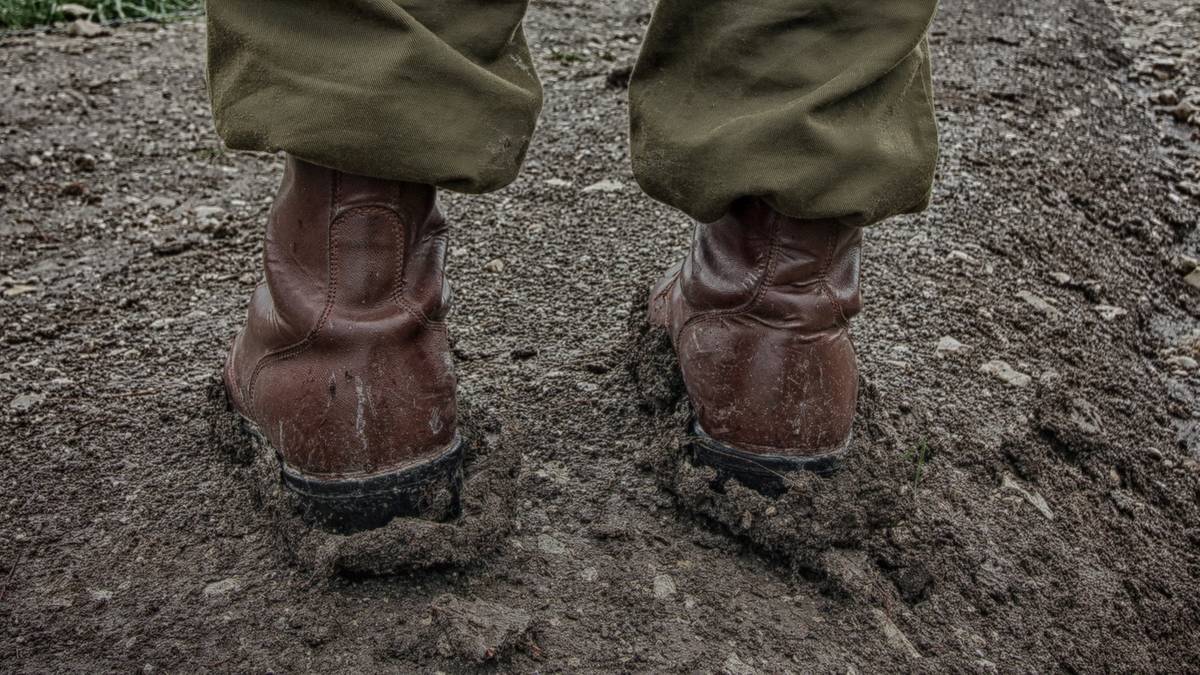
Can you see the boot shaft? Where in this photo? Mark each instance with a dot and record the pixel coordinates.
(344, 362)
(356, 244)
(801, 274)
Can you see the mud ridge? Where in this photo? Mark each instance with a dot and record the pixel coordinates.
(492, 468)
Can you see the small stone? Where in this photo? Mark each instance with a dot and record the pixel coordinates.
(1186, 263)
(71, 10)
(1184, 362)
(1005, 373)
(1165, 97)
(1193, 279)
(664, 586)
(19, 289)
(479, 631)
(1061, 278)
(558, 182)
(948, 345)
(894, 636)
(206, 213)
(734, 665)
(1038, 502)
(100, 595)
(24, 402)
(1038, 303)
(222, 588)
(86, 29)
(550, 545)
(1108, 312)
(589, 575)
(495, 266)
(1183, 112)
(962, 256)
(606, 185)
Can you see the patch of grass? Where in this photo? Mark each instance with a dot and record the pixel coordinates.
(919, 456)
(26, 13)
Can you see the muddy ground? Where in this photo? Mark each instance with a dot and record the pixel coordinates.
(1042, 513)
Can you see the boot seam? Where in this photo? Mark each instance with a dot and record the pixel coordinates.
(766, 272)
(826, 289)
(300, 347)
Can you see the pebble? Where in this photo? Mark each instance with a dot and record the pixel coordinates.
(222, 588)
(1039, 303)
(1185, 362)
(734, 665)
(1165, 97)
(86, 29)
(1193, 278)
(606, 185)
(1005, 373)
(664, 586)
(948, 345)
(19, 289)
(894, 636)
(1038, 502)
(558, 182)
(1108, 312)
(1061, 278)
(1185, 264)
(495, 266)
(962, 256)
(548, 544)
(23, 402)
(72, 10)
(589, 575)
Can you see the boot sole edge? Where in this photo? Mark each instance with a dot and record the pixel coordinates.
(430, 489)
(764, 473)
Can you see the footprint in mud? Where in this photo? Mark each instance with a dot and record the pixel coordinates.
(814, 524)
(491, 469)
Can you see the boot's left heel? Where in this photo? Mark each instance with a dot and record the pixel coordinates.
(430, 489)
(766, 474)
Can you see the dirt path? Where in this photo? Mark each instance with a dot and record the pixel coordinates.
(1038, 516)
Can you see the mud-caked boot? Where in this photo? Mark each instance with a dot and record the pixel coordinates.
(344, 365)
(758, 313)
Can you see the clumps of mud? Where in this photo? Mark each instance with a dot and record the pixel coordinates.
(832, 528)
(477, 631)
(492, 466)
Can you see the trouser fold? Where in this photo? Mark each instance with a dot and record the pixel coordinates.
(822, 109)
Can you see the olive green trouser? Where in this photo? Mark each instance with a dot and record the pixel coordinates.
(821, 107)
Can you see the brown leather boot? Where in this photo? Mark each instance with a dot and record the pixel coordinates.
(758, 313)
(344, 364)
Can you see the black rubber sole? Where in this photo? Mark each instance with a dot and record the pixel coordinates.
(431, 490)
(765, 473)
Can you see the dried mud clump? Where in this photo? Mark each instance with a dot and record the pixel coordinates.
(478, 631)
(491, 469)
(816, 519)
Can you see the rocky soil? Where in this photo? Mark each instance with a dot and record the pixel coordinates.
(1024, 490)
